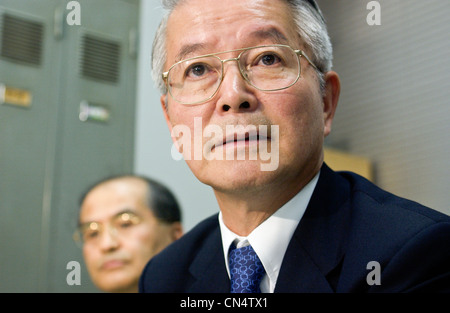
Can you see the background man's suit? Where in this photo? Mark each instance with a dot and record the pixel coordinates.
(348, 223)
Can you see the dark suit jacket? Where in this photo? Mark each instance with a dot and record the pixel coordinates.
(348, 223)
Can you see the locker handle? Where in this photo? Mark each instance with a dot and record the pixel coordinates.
(94, 112)
(58, 23)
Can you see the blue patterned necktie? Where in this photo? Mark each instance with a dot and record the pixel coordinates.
(246, 270)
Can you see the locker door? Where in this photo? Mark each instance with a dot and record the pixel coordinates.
(67, 105)
(29, 87)
(96, 130)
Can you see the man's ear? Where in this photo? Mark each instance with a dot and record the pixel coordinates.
(330, 99)
(176, 230)
(163, 101)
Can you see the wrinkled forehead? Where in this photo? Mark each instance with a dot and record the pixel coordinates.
(107, 199)
(198, 27)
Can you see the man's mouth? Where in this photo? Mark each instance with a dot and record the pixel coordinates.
(245, 139)
(113, 264)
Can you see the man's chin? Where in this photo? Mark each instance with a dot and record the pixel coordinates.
(237, 176)
(117, 285)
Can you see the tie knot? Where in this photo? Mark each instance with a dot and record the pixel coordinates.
(246, 270)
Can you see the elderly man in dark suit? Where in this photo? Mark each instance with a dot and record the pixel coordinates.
(249, 96)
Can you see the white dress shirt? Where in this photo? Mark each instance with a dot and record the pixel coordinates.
(271, 238)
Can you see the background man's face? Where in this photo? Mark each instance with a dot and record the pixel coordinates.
(115, 261)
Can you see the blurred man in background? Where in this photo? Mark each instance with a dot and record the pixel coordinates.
(124, 221)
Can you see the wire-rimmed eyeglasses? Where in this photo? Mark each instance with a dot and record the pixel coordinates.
(266, 68)
(120, 224)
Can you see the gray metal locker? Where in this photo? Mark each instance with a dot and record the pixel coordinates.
(67, 106)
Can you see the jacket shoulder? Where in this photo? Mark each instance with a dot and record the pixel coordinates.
(408, 240)
(365, 191)
(170, 268)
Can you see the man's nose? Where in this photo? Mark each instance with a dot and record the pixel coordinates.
(235, 94)
(109, 238)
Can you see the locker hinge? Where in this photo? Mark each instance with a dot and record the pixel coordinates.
(58, 23)
(133, 43)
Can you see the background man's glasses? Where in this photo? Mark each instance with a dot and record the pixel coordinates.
(92, 232)
(267, 68)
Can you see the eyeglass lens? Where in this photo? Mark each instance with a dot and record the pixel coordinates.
(266, 68)
(120, 224)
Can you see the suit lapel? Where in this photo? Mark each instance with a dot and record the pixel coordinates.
(299, 274)
(208, 267)
(314, 255)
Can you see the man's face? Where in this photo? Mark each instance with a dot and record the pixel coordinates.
(129, 234)
(199, 27)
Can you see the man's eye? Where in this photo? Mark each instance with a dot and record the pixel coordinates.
(126, 220)
(126, 224)
(90, 234)
(269, 59)
(197, 70)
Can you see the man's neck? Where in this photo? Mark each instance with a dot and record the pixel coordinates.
(243, 212)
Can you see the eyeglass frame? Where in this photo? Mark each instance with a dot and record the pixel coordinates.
(298, 52)
(77, 236)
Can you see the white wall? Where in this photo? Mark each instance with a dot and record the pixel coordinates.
(395, 98)
(153, 142)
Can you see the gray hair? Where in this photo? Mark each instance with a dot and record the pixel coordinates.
(311, 28)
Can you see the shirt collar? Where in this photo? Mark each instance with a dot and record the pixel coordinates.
(271, 238)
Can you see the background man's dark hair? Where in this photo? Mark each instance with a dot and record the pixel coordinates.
(160, 199)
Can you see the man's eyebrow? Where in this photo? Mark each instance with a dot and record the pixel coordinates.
(272, 34)
(187, 50)
(124, 211)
